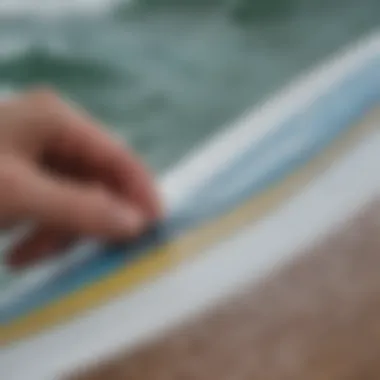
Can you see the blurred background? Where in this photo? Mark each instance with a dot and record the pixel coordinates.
(166, 73)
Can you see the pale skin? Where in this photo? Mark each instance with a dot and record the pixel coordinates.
(62, 170)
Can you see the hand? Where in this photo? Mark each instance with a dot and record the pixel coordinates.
(62, 171)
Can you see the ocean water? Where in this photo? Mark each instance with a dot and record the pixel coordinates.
(164, 74)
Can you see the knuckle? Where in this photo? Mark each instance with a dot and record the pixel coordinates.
(45, 106)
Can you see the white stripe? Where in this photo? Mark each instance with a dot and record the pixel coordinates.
(204, 161)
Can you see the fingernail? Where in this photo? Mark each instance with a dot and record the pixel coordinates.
(130, 221)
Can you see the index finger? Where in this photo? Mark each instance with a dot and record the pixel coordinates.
(84, 144)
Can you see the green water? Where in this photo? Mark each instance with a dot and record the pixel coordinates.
(166, 73)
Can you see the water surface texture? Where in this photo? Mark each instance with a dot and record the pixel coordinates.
(167, 73)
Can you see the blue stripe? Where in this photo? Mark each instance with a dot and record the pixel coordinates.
(277, 156)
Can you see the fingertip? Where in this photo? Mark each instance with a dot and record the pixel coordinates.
(140, 187)
(128, 221)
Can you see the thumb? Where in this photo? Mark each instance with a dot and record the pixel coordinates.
(78, 209)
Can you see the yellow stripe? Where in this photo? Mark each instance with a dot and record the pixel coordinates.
(186, 246)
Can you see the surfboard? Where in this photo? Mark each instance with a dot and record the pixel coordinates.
(284, 174)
